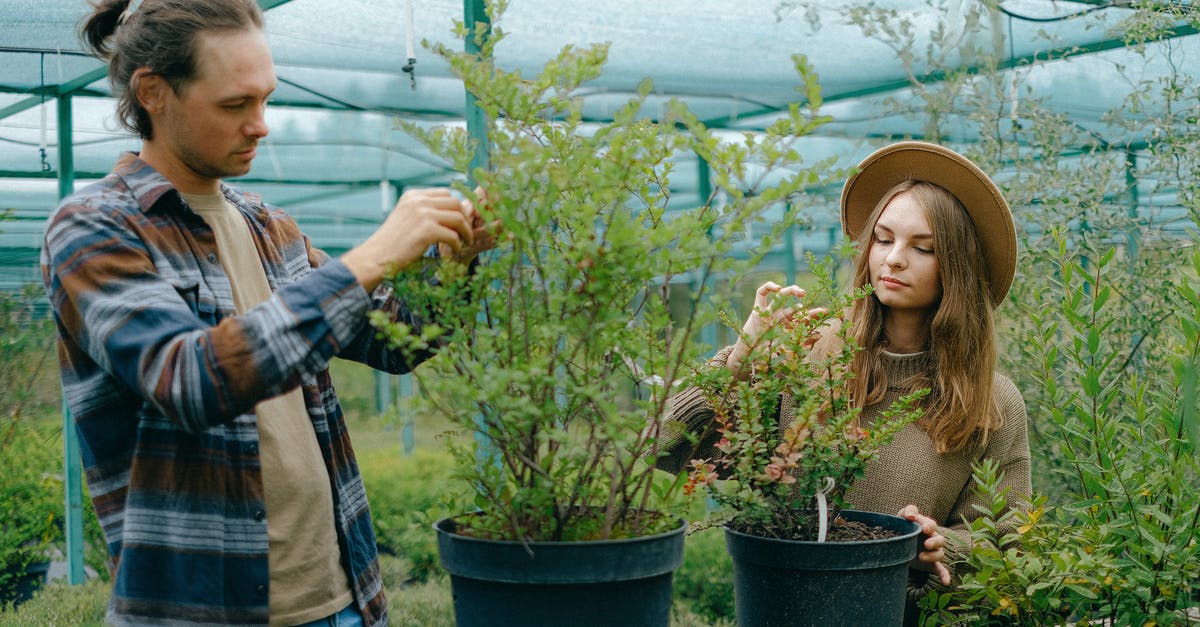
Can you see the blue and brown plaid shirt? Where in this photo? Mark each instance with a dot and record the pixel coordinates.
(161, 377)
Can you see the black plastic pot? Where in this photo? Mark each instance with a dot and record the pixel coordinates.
(578, 584)
(789, 582)
(30, 580)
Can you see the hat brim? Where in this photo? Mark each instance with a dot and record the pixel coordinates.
(921, 161)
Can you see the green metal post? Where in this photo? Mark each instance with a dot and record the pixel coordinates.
(384, 397)
(835, 234)
(789, 249)
(478, 23)
(475, 17)
(1131, 185)
(72, 466)
(708, 334)
(383, 391)
(408, 432)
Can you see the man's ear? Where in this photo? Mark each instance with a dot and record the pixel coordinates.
(150, 89)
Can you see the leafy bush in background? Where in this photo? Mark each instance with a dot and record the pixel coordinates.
(31, 505)
(407, 495)
(1100, 330)
(704, 584)
(1124, 542)
(26, 354)
(63, 605)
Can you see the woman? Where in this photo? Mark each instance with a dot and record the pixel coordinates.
(937, 245)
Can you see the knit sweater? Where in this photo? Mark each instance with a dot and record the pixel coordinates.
(908, 471)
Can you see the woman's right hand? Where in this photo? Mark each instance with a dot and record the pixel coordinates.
(773, 306)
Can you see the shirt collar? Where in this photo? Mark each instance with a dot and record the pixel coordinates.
(150, 187)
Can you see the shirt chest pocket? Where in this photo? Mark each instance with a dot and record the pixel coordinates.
(199, 299)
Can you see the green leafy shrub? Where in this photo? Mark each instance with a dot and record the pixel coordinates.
(774, 476)
(571, 311)
(61, 604)
(704, 584)
(407, 495)
(1040, 575)
(31, 503)
(1123, 544)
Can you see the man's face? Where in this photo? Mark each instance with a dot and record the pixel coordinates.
(212, 126)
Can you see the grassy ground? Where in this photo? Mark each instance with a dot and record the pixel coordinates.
(407, 493)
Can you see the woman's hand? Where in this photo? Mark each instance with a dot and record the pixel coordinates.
(771, 309)
(931, 555)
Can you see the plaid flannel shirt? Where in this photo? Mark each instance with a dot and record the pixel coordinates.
(161, 377)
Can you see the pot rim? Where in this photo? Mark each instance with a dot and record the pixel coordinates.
(914, 530)
(439, 527)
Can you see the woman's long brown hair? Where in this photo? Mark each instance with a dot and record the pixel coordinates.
(960, 410)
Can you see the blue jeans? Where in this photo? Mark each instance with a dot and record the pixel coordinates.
(348, 617)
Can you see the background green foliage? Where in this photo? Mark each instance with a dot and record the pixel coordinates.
(26, 354)
(31, 505)
(1099, 332)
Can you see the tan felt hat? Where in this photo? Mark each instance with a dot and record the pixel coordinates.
(922, 161)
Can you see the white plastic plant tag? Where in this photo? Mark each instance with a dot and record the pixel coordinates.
(823, 509)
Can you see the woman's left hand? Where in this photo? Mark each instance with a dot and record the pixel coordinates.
(931, 555)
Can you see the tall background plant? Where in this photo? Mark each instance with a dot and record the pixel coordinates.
(1099, 332)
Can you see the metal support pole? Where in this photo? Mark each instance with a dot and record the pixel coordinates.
(1131, 186)
(384, 398)
(72, 466)
(475, 17)
(478, 22)
(408, 431)
(383, 391)
(789, 251)
(708, 334)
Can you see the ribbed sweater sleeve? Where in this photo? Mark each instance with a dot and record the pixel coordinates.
(689, 431)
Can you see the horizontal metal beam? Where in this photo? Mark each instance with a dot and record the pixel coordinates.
(50, 92)
(938, 76)
(77, 84)
(21, 105)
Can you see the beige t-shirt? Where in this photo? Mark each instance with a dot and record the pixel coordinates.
(307, 578)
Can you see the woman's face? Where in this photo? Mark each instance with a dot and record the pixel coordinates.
(904, 269)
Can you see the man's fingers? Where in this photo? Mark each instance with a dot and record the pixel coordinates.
(454, 228)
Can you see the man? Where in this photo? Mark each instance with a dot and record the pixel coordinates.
(196, 324)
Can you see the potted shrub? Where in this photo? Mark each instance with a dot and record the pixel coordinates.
(799, 556)
(553, 348)
(31, 508)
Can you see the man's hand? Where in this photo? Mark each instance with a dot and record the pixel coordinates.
(483, 233)
(421, 218)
